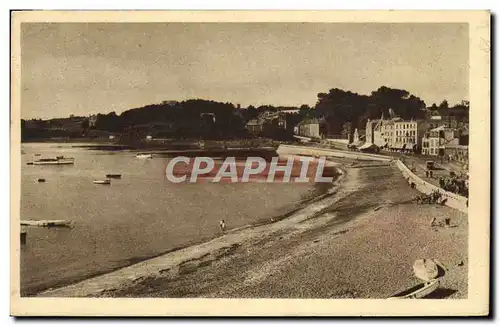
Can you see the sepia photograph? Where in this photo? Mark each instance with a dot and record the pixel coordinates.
(225, 157)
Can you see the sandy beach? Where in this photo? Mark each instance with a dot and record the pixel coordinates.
(360, 242)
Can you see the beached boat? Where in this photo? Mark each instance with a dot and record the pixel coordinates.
(144, 155)
(59, 160)
(418, 291)
(114, 176)
(102, 182)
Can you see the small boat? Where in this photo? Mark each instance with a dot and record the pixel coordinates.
(41, 180)
(59, 160)
(46, 223)
(102, 182)
(38, 154)
(114, 176)
(418, 291)
(29, 163)
(143, 155)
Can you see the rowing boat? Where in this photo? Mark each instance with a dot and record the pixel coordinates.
(418, 291)
(102, 182)
(143, 155)
(60, 160)
(114, 176)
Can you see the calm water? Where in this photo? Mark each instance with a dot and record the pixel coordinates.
(139, 216)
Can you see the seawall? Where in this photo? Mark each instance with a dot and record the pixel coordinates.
(452, 200)
(329, 153)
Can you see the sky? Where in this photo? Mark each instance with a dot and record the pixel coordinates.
(90, 68)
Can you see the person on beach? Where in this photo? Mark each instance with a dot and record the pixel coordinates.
(222, 225)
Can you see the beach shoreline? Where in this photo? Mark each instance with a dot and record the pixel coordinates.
(340, 240)
(317, 192)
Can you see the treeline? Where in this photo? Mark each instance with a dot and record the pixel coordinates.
(216, 120)
(187, 119)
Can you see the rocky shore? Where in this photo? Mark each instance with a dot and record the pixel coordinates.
(360, 242)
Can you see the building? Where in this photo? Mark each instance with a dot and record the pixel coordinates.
(395, 133)
(369, 131)
(435, 141)
(408, 134)
(255, 126)
(436, 121)
(309, 127)
(92, 121)
(458, 153)
(385, 134)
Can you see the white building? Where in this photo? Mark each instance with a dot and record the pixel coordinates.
(406, 134)
(309, 128)
(436, 140)
(396, 133)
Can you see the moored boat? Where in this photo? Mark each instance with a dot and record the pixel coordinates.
(102, 182)
(418, 291)
(144, 155)
(46, 223)
(113, 176)
(59, 160)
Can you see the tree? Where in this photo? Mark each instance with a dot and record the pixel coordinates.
(339, 106)
(443, 105)
(404, 104)
(85, 124)
(251, 113)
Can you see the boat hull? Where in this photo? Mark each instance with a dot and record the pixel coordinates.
(419, 291)
(102, 182)
(114, 176)
(54, 163)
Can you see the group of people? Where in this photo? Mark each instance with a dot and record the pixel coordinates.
(455, 185)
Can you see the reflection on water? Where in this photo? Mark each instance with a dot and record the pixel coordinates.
(138, 216)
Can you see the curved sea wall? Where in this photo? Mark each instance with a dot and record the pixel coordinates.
(453, 200)
(316, 151)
